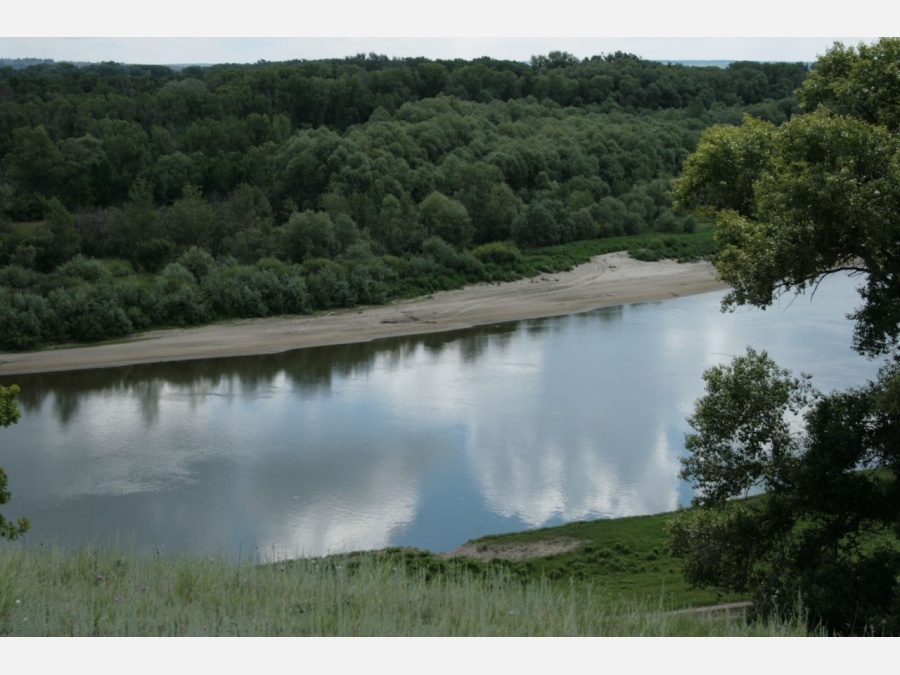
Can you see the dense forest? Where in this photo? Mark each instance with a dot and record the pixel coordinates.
(134, 196)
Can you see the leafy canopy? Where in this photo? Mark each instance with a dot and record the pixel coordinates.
(817, 195)
(745, 439)
(9, 414)
(794, 203)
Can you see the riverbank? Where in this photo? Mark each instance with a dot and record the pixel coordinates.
(606, 577)
(107, 592)
(611, 279)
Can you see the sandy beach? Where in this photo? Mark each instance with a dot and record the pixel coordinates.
(611, 279)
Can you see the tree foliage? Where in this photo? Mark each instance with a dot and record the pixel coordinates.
(9, 414)
(417, 162)
(822, 527)
(745, 440)
(817, 195)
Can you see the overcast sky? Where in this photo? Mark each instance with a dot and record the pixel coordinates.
(250, 50)
(396, 27)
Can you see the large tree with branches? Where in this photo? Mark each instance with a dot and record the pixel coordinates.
(818, 195)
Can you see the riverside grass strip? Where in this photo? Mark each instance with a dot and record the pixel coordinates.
(51, 591)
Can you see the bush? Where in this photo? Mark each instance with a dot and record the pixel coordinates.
(27, 320)
(180, 301)
(499, 253)
(89, 314)
(18, 277)
(328, 284)
(139, 301)
(234, 291)
(86, 269)
(198, 262)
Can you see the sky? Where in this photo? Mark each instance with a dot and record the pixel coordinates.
(170, 32)
(208, 50)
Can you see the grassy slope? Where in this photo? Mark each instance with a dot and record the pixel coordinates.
(620, 581)
(628, 557)
(46, 591)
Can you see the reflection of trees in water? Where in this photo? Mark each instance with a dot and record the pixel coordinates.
(147, 392)
(477, 340)
(395, 351)
(611, 314)
(555, 325)
(310, 371)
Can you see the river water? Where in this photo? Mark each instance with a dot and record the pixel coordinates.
(423, 441)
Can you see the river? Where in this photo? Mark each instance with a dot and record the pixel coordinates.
(423, 441)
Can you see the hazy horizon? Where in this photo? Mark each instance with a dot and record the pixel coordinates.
(217, 50)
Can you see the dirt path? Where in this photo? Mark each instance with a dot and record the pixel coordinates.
(606, 280)
(516, 550)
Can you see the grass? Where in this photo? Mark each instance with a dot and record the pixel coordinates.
(620, 580)
(47, 591)
(629, 557)
(648, 247)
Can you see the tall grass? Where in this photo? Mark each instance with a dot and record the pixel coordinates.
(648, 247)
(49, 591)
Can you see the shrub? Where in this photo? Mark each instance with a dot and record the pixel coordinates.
(86, 269)
(198, 262)
(498, 252)
(88, 314)
(27, 320)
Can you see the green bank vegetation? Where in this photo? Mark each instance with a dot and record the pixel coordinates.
(86, 300)
(135, 197)
(619, 582)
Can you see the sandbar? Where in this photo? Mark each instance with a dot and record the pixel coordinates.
(611, 279)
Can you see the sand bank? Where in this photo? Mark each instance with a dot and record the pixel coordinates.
(611, 279)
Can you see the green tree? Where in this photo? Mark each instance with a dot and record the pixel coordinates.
(57, 239)
(446, 218)
(87, 171)
(310, 234)
(795, 203)
(131, 230)
(192, 220)
(9, 414)
(814, 196)
(126, 147)
(824, 529)
(744, 438)
(35, 163)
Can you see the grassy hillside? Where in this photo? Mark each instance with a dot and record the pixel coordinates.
(618, 580)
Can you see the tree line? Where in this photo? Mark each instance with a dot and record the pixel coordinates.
(357, 179)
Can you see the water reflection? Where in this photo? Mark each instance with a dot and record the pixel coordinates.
(424, 441)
